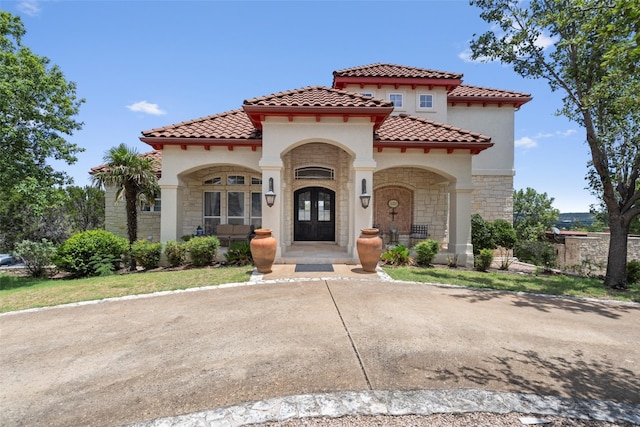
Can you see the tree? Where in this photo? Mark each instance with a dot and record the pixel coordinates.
(505, 238)
(85, 208)
(533, 214)
(133, 176)
(37, 106)
(593, 58)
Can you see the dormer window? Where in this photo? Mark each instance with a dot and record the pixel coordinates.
(396, 99)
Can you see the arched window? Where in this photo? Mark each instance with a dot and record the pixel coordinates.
(315, 172)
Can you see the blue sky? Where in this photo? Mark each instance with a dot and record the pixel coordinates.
(146, 64)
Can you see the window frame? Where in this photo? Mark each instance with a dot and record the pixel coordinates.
(390, 95)
(419, 107)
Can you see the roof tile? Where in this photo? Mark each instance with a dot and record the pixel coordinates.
(468, 91)
(228, 125)
(394, 71)
(405, 128)
(317, 96)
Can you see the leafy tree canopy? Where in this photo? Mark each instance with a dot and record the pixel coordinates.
(533, 214)
(589, 50)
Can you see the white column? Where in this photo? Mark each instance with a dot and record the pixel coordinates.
(460, 224)
(171, 223)
(362, 217)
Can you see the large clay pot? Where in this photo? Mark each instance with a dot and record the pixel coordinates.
(263, 250)
(369, 246)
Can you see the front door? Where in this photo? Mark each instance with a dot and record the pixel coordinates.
(314, 214)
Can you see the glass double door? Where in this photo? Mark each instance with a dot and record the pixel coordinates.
(314, 213)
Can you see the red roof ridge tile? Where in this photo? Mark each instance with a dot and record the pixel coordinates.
(489, 91)
(396, 70)
(192, 121)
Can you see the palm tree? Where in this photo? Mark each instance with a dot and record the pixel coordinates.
(134, 177)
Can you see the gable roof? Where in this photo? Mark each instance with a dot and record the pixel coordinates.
(317, 101)
(396, 75)
(404, 131)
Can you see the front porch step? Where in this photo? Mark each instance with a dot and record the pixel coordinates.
(315, 260)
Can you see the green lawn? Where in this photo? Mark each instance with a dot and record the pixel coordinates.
(555, 284)
(18, 293)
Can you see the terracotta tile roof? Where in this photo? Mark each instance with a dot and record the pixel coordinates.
(464, 92)
(229, 125)
(317, 96)
(407, 131)
(394, 71)
(155, 156)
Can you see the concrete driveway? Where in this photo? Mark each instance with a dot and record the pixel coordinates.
(131, 360)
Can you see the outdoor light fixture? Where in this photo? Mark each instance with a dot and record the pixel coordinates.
(364, 197)
(270, 196)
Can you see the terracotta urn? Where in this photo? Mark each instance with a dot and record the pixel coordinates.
(263, 250)
(369, 246)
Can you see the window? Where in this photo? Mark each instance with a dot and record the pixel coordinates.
(148, 207)
(396, 99)
(213, 181)
(314, 172)
(425, 101)
(256, 181)
(211, 211)
(256, 209)
(235, 207)
(235, 180)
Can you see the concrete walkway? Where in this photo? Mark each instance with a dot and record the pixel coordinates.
(345, 342)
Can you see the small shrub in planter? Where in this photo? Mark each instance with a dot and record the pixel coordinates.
(239, 253)
(426, 251)
(147, 254)
(202, 250)
(396, 255)
(37, 256)
(484, 259)
(176, 253)
(91, 253)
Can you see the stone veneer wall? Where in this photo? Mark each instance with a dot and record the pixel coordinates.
(430, 197)
(493, 197)
(115, 219)
(588, 255)
(323, 155)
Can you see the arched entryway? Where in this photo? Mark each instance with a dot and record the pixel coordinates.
(314, 214)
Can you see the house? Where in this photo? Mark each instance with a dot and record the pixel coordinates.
(386, 145)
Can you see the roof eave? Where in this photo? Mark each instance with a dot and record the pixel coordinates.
(257, 113)
(158, 143)
(341, 82)
(426, 146)
(483, 100)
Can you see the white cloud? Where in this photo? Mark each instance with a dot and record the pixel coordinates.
(147, 108)
(525, 142)
(29, 7)
(465, 55)
(544, 41)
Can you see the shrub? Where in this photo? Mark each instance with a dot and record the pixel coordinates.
(504, 236)
(239, 253)
(202, 250)
(484, 259)
(91, 253)
(536, 252)
(147, 254)
(176, 253)
(396, 255)
(633, 272)
(36, 256)
(481, 234)
(426, 251)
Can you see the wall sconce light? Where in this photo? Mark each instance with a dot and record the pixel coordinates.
(270, 196)
(365, 198)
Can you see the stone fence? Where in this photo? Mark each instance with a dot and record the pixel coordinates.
(588, 254)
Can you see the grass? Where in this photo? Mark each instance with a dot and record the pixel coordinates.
(548, 284)
(19, 293)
